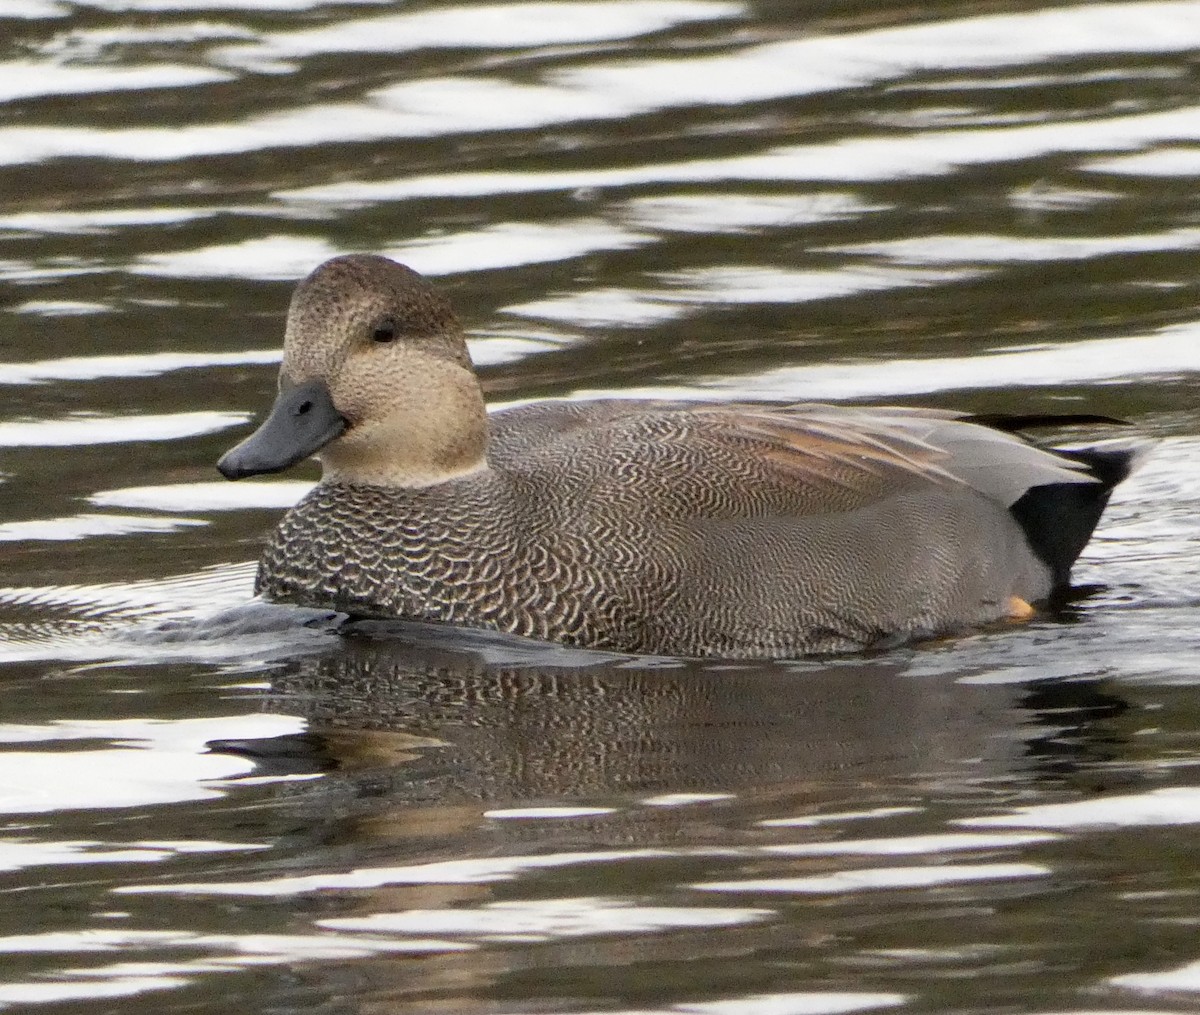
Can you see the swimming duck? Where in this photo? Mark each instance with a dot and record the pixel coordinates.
(733, 529)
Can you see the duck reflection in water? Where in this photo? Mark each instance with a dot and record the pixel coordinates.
(429, 717)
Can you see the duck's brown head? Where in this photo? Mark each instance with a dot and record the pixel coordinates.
(376, 381)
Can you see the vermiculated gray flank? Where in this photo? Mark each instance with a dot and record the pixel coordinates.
(698, 529)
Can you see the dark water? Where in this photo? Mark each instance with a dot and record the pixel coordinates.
(210, 806)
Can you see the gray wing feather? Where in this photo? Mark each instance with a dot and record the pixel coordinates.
(853, 454)
(997, 464)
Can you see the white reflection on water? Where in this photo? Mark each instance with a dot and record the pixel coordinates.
(801, 67)
(547, 919)
(511, 244)
(48, 268)
(822, 819)
(502, 245)
(730, 212)
(486, 349)
(436, 107)
(793, 1003)
(481, 870)
(84, 430)
(119, 6)
(81, 987)
(481, 26)
(97, 45)
(60, 308)
(603, 307)
(85, 525)
(495, 347)
(1171, 351)
(33, 9)
(263, 258)
(455, 105)
(23, 79)
(1169, 162)
(488, 869)
(215, 587)
(909, 844)
(542, 813)
(17, 853)
(216, 496)
(688, 290)
(491, 104)
(882, 878)
(157, 762)
(45, 782)
(297, 946)
(98, 220)
(896, 156)
(1042, 195)
(1185, 978)
(997, 249)
(804, 66)
(752, 284)
(1171, 805)
(88, 368)
(685, 799)
(227, 953)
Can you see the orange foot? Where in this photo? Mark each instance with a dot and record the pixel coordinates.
(1018, 609)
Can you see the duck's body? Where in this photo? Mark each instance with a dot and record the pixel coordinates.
(735, 530)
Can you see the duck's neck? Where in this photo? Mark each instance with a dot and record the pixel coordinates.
(428, 437)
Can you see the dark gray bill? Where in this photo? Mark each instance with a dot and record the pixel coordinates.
(302, 421)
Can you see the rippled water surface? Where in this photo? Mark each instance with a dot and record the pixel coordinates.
(211, 805)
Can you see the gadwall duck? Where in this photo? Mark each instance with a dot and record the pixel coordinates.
(677, 528)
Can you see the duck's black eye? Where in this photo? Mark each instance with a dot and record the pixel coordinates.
(384, 331)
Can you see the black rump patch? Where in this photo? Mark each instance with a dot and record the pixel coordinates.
(1058, 518)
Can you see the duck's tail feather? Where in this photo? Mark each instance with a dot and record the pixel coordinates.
(1058, 519)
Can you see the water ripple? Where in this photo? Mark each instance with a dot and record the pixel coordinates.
(23, 79)
(98, 429)
(479, 26)
(881, 878)
(547, 919)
